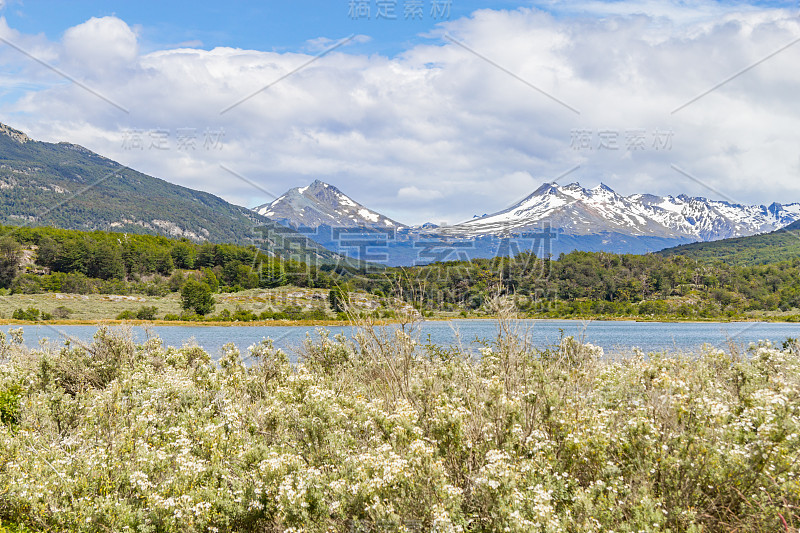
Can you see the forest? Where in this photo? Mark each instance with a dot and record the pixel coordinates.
(591, 284)
(115, 263)
(578, 284)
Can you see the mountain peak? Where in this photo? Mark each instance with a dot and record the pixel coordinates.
(319, 184)
(17, 135)
(321, 204)
(546, 188)
(579, 211)
(602, 187)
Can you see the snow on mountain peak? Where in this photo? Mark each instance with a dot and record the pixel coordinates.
(579, 211)
(572, 209)
(322, 204)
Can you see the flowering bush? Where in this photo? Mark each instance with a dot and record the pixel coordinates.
(386, 434)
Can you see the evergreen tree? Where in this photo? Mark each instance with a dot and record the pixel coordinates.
(10, 258)
(196, 297)
(338, 299)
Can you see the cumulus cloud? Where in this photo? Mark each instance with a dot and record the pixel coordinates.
(440, 132)
(100, 46)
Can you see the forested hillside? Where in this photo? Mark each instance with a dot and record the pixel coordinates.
(585, 283)
(67, 186)
(39, 260)
(34, 260)
(781, 245)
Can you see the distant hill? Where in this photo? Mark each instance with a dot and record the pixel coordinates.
(67, 186)
(780, 245)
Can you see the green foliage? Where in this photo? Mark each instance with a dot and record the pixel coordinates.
(31, 314)
(273, 274)
(338, 299)
(62, 312)
(196, 297)
(778, 246)
(183, 255)
(10, 257)
(143, 313)
(210, 279)
(10, 411)
(79, 262)
(7, 527)
(597, 284)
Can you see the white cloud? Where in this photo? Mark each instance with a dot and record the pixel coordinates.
(320, 44)
(439, 133)
(100, 46)
(415, 194)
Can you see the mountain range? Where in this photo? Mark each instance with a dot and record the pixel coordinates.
(580, 211)
(68, 186)
(552, 220)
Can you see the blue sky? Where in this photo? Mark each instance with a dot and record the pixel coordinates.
(409, 123)
(278, 25)
(269, 25)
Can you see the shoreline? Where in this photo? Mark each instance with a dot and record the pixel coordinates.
(377, 322)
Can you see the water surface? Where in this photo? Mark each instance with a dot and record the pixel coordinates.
(613, 336)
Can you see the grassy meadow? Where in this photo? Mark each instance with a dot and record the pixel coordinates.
(104, 307)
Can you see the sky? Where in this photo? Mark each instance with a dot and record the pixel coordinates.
(424, 110)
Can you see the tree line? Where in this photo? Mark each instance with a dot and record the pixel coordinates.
(36, 260)
(597, 283)
(101, 262)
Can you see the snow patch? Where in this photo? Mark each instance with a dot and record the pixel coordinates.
(369, 215)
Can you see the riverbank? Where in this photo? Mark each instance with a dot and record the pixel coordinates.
(78, 309)
(384, 321)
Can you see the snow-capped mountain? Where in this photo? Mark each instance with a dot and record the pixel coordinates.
(579, 211)
(596, 219)
(321, 204)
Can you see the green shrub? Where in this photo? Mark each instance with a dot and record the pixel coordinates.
(147, 312)
(31, 314)
(10, 405)
(244, 315)
(338, 299)
(196, 297)
(62, 312)
(143, 313)
(316, 314)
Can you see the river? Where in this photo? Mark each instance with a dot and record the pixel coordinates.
(613, 336)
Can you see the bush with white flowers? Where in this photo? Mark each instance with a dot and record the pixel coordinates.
(387, 434)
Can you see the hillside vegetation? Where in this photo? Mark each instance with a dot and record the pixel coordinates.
(579, 284)
(778, 246)
(48, 260)
(67, 186)
(599, 284)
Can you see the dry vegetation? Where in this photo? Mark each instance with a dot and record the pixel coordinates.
(385, 433)
(96, 307)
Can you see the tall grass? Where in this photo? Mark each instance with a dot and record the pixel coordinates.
(387, 433)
